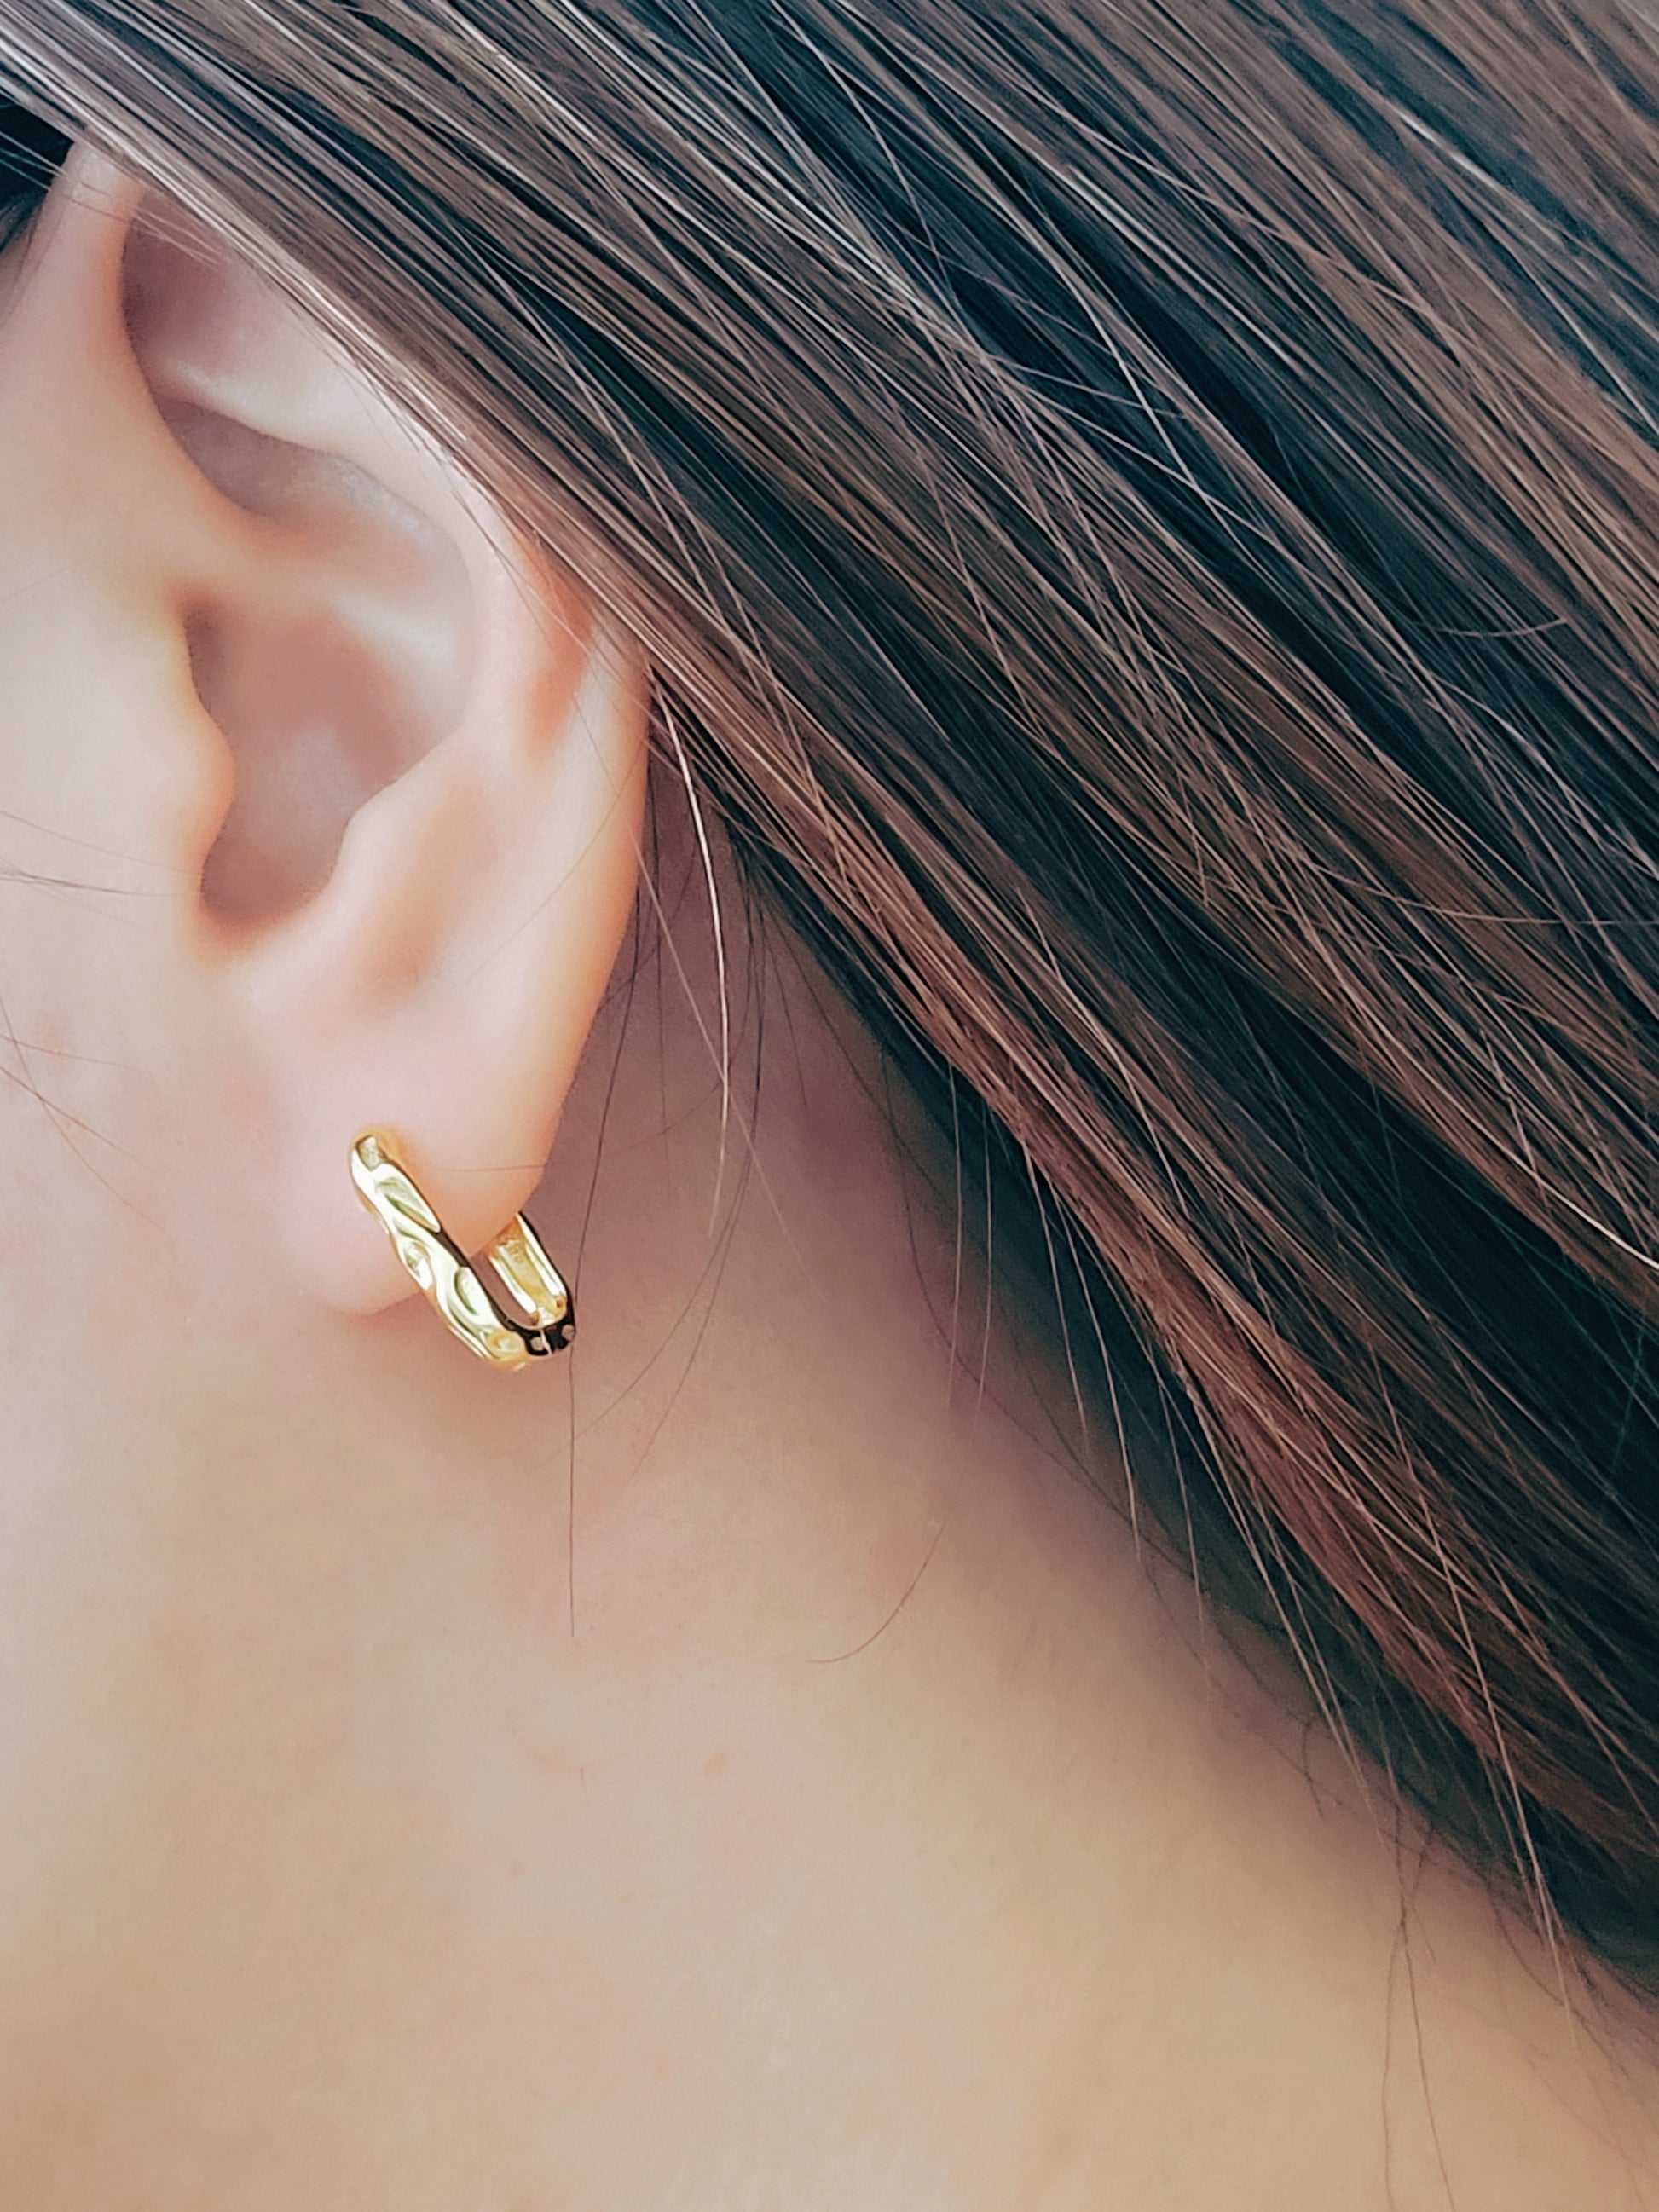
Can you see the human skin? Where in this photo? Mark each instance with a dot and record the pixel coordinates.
(736, 1764)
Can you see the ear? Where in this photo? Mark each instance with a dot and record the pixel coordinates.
(396, 754)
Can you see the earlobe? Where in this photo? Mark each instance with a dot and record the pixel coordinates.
(410, 759)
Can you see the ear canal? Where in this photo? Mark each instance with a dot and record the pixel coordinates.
(332, 647)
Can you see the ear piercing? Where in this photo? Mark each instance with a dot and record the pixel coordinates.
(441, 1269)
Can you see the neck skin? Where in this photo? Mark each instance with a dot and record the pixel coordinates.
(737, 1763)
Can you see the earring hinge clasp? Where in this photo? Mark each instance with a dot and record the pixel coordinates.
(444, 1273)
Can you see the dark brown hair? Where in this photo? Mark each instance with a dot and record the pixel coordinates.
(1146, 519)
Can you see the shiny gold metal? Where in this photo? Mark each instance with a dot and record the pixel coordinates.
(441, 1269)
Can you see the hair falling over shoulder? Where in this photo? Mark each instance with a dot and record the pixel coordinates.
(1146, 523)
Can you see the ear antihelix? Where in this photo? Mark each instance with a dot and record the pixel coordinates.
(443, 1272)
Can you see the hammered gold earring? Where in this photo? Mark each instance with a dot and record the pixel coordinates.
(443, 1272)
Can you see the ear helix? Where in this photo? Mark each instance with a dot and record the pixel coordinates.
(438, 1265)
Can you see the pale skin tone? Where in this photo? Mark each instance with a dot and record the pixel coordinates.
(425, 1788)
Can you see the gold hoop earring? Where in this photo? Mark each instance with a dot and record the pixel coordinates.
(438, 1265)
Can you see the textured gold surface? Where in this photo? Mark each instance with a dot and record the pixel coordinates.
(443, 1272)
